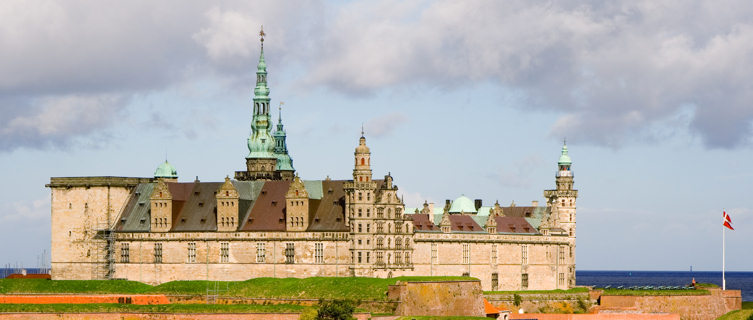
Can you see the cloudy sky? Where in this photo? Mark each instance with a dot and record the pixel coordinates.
(457, 97)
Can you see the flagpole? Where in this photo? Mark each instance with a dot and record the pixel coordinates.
(724, 280)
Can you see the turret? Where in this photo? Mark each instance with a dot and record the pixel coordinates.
(297, 206)
(166, 172)
(362, 170)
(561, 201)
(161, 202)
(227, 207)
(284, 169)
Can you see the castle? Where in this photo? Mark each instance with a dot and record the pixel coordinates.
(267, 222)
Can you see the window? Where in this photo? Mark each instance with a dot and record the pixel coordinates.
(360, 211)
(495, 281)
(466, 253)
(367, 257)
(319, 252)
(407, 258)
(191, 252)
(379, 227)
(524, 254)
(289, 252)
(434, 253)
(571, 251)
(562, 279)
(380, 257)
(261, 252)
(407, 243)
(398, 243)
(359, 225)
(380, 213)
(360, 196)
(398, 258)
(398, 228)
(494, 254)
(359, 257)
(562, 255)
(368, 227)
(125, 254)
(158, 253)
(524, 281)
(380, 243)
(224, 252)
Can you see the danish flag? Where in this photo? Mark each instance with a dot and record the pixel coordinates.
(727, 220)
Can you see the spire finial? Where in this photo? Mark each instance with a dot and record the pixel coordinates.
(262, 34)
(361, 129)
(279, 109)
(564, 141)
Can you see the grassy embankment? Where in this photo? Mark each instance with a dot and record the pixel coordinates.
(288, 288)
(439, 318)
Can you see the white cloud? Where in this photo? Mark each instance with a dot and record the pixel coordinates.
(31, 211)
(384, 125)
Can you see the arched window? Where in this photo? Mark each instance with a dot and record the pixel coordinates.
(363, 161)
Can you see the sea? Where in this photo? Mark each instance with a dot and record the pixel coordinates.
(735, 280)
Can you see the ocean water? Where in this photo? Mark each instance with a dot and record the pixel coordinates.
(735, 280)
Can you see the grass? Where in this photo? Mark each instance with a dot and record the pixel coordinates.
(167, 308)
(745, 314)
(522, 292)
(747, 305)
(352, 288)
(640, 292)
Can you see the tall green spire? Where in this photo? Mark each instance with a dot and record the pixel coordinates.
(261, 144)
(284, 162)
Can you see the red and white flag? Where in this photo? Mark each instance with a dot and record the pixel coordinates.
(727, 220)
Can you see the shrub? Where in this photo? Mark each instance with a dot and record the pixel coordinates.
(517, 300)
(336, 310)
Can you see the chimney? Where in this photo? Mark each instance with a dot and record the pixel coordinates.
(535, 203)
(478, 203)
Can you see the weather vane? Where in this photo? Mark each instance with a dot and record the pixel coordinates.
(262, 34)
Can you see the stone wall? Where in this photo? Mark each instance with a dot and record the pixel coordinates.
(706, 307)
(551, 302)
(449, 298)
(159, 316)
(600, 316)
(85, 298)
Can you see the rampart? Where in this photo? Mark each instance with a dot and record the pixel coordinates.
(83, 298)
(704, 307)
(445, 298)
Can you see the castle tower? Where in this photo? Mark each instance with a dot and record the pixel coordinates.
(167, 172)
(161, 202)
(261, 161)
(561, 205)
(297, 206)
(227, 207)
(284, 169)
(359, 200)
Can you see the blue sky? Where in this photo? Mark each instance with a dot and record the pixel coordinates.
(456, 98)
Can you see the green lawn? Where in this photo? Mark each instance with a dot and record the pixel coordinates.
(747, 304)
(522, 292)
(167, 308)
(745, 314)
(308, 288)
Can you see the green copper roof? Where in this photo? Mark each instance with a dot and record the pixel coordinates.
(463, 204)
(564, 158)
(261, 144)
(166, 170)
(284, 162)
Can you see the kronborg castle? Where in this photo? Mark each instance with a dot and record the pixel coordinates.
(267, 222)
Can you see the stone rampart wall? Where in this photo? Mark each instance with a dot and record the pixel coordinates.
(706, 307)
(449, 298)
(600, 316)
(77, 299)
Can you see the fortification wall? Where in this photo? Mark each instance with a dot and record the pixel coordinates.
(707, 307)
(449, 298)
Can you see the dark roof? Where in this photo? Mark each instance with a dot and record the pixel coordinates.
(199, 210)
(268, 210)
(422, 222)
(136, 213)
(461, 222)
(518, 211)
(514, 225)
(328, 214)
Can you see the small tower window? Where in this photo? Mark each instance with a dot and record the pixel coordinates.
(363, 161)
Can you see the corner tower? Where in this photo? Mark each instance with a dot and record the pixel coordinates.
(261, 161)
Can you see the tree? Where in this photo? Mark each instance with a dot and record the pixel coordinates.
(336, 310)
